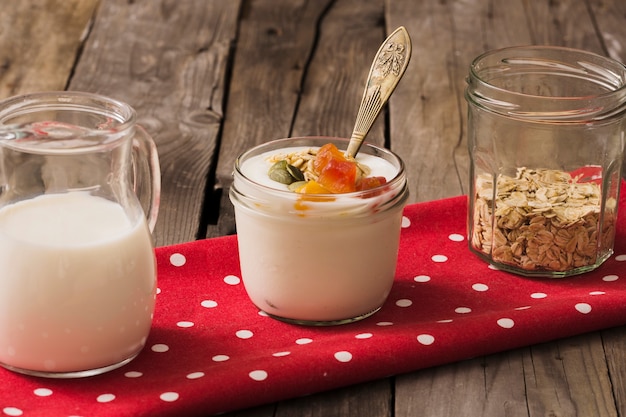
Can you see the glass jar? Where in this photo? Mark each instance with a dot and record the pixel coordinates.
(317, 259)
(546, 143)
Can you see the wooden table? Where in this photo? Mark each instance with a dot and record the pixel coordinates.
(210, 78)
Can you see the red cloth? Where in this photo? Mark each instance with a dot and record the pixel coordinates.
(210, 350)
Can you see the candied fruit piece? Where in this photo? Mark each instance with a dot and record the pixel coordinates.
(335, 172)
(312, 187)
(367, 183)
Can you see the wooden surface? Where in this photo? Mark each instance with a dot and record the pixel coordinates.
(212, 78)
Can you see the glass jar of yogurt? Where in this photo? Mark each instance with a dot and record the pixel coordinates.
(317, 259)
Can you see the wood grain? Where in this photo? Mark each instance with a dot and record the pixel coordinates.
(171, 66)
(40, 41)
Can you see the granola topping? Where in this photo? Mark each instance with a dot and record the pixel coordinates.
(321, 171)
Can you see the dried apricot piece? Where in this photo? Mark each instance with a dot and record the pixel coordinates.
(367, 183)
(335, 172)
(312, 187)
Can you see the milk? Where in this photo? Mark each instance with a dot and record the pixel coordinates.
(77, 283)
(317, 262)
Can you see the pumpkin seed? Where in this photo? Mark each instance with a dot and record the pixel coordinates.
(281, 175)
(294, 186)
(282, 165)
(295, 173)
(285, 173)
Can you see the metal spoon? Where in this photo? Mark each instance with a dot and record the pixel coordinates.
(388, 67)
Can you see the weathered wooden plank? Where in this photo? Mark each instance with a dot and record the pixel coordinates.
(276, 39)
(350, 35)
(477, 387)
(562, 23)
(30, 58)
(610, 17)
(569, 377)
(614, 341)
(171, 66)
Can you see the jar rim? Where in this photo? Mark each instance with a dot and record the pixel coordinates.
(290, 142)
(490, 71)
(250, 193)
(60, 137)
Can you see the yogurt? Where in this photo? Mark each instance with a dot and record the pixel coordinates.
(317, 259)
(78, 284)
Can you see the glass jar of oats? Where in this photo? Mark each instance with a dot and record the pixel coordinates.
(546, 142)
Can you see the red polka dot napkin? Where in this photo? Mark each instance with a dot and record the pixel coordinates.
(211, 351)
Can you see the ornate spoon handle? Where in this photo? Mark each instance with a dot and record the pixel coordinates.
(388, 67)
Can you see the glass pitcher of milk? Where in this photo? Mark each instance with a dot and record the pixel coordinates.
(79, 197)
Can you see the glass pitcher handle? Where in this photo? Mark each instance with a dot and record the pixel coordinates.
(147, 175)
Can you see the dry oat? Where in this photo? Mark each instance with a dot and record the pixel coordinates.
(542, 220)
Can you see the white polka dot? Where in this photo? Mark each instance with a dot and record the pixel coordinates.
(232, 280)
(42, 392)
(462, 310)
(158, 291)
(195, 375)
(169, 396)
(404, 303)
(258, 375)
(505, 323)
(12, 411)
(160, 348)
(421, 278)
(610, 278)
(522, 308)
(439, 258)
(208, 304)
(597, 293)
(133, 374)
(343, 356)
(583, 308)
(538, 295)
(178, 259)
(406, 222)
(220, 358)
(426, 339)
(445, 321)
(304, 341)
(363, 336)
(105, 398)
(280, 354)
(244, 334)
(480, 287)
(185, 324)
(455, 237)
(384, 323)
(620, 258)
